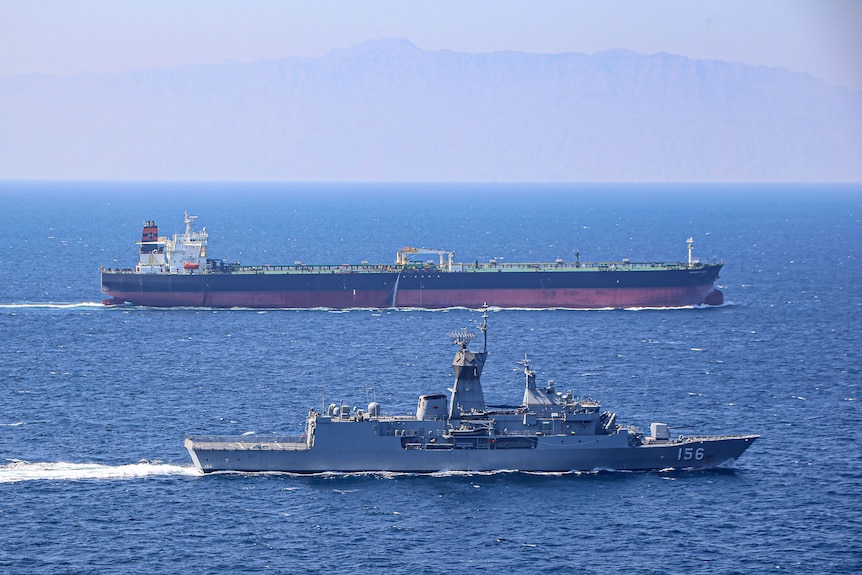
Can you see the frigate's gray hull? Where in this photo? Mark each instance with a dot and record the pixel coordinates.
(550, 455)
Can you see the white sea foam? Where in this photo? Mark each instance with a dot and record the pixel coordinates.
(16, 471)
(53, 305)
(654, 308)
(91, 305)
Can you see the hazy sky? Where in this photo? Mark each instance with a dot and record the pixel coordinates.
(821, 37)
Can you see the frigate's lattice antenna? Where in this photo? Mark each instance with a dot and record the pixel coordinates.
(462, 337)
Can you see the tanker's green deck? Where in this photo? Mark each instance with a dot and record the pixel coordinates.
(473, 267)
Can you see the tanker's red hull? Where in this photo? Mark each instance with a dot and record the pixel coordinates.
(578, 290)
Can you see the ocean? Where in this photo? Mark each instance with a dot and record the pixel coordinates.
(95, 401)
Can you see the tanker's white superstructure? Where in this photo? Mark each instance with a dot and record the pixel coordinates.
(184, 254)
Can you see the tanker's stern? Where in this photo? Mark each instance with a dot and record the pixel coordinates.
(105, 283)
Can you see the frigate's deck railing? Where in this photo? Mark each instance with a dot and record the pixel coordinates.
(251, 442)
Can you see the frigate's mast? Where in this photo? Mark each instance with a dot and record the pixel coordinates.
(467, 395)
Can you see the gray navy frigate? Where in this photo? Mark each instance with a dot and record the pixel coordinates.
(548, 432)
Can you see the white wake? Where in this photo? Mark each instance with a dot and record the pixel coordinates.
(16, 471)
(53, 305)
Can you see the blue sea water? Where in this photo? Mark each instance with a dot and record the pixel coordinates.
(95, 401)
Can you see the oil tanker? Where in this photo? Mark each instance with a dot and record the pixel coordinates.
(177, 272)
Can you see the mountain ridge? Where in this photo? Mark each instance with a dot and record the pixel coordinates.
(390, 111)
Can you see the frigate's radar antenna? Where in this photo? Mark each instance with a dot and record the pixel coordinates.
(484, 328)
(526, 370)
(461, 337)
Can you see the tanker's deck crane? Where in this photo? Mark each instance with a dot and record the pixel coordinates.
(402, 258)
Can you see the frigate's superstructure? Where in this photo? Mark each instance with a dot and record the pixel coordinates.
(548, 431)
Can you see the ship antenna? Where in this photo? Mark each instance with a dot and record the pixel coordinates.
(323, 395)
(461, 337)
(189, 221)
(484, 328)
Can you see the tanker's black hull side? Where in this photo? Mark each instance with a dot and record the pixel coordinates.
(668, 287)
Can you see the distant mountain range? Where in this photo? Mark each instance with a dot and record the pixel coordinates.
(389, 111)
